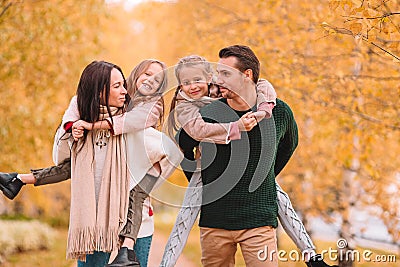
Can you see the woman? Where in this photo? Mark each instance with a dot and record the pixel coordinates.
(145, 84)
(148, 151)
(106, 135)
(99, 180)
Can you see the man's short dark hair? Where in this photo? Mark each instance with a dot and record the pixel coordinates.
(246, 59)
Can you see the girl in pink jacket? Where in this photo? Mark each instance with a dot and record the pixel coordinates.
(194, 74)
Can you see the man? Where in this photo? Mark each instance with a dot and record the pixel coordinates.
(239, 194)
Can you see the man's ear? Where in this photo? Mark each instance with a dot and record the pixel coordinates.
(248, 73)
(209, 78)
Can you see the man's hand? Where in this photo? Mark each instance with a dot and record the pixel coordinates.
(247, 122)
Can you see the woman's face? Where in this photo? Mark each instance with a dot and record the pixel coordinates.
(193, 82)
(117, 89)
(149, 82)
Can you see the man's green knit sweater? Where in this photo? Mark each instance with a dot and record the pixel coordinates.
(239, 190)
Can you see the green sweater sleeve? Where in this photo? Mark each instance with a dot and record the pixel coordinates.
(288, 141)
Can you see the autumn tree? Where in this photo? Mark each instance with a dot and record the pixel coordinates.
(44, 47)
(343, 89)
(333, 62)
(373, 22)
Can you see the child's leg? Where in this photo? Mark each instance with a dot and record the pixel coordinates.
(134, 219)
(11, 183)
(136, 198)
(184, 221)
(134, 216)
(54, 174)
(296, 231)
(292, 224)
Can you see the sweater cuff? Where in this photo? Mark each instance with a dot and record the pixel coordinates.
(117, 127)
(110, 125)
(68, 126)
(267, 108)
(233, 132)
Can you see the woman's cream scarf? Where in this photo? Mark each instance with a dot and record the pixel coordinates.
(91, 230)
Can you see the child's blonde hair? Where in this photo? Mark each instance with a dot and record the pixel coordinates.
(192, 61)
(136, 96)
(188, 61)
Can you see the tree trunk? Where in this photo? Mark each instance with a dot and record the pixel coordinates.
(346, 244)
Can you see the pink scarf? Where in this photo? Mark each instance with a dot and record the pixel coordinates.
(91, 230)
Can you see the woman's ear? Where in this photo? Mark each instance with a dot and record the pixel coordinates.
(102, 95)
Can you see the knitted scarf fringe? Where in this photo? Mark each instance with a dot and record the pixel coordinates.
(87, 240)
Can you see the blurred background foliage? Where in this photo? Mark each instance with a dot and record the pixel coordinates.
(336, 63)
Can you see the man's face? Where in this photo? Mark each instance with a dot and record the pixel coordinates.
(230, 79)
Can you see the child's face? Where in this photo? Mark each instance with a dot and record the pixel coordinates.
(149, 82)
(193, 81)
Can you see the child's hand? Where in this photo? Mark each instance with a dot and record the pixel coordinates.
(197, 153)
(157, 168)
(78, 129)
(83, 125)
(77, 132)
(268, 92)
(247, 122)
